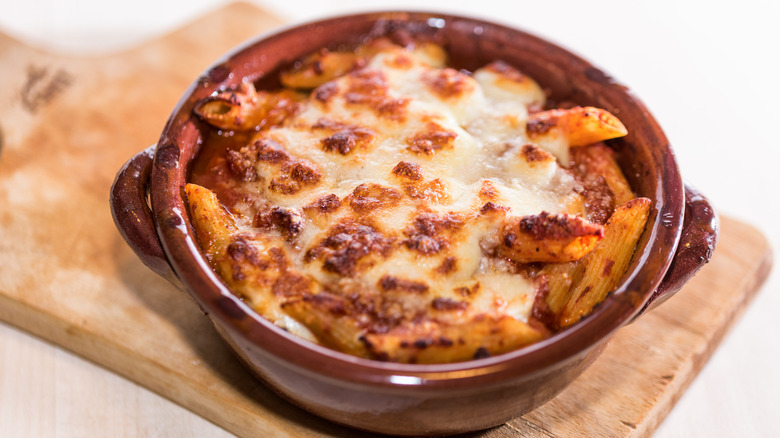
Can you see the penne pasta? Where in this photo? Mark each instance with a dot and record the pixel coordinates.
(606, 264)
(433, 342)
(580, 126)
(548, 238)
(325, 316)
(559, 279)
(598, 161)
(244, 108)
(318, 69)
(213, 224)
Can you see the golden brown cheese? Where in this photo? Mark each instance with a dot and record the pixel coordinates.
(404, 210)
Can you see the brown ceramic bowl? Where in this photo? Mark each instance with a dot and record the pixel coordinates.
(402, 398)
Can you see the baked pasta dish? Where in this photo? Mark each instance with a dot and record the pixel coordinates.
(383, 204)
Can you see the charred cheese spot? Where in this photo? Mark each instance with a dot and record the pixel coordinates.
(267, 150)
(243, 161)
(304, 173)
(343, 138)
(330, 303)
(433, 191)
(389, 283)
(408, 170)
(284, 185)
(448, 83)
(240, 251)
(400, 61)
(288, 221)
(432, 139)
(468, 291)
(326, 92)
(449, 305)
(488, 191)
(368, 197)
(539, 126)
(294, 176)
(369, 89)
(325, 204)
(490, 208)
(531, 163)
(292, 285)
(431, 233)
(348, 247)
(320, 213)
(533, 154)
(447, 266)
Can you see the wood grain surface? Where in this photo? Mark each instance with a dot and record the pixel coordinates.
(68, 124)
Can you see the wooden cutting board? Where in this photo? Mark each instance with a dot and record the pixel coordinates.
(67, 125)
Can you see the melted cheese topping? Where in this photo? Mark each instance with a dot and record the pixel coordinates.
(384, 194)
(465, 135)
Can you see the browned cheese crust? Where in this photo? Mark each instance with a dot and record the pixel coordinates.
(389, 206)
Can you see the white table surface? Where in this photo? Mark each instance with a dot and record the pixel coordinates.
(710, 72)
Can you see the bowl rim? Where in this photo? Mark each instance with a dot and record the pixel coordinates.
(215, 299)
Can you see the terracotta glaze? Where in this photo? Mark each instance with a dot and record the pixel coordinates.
(401, 398)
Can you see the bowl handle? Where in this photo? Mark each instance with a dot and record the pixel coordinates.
(701, 227)
(133, 217)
